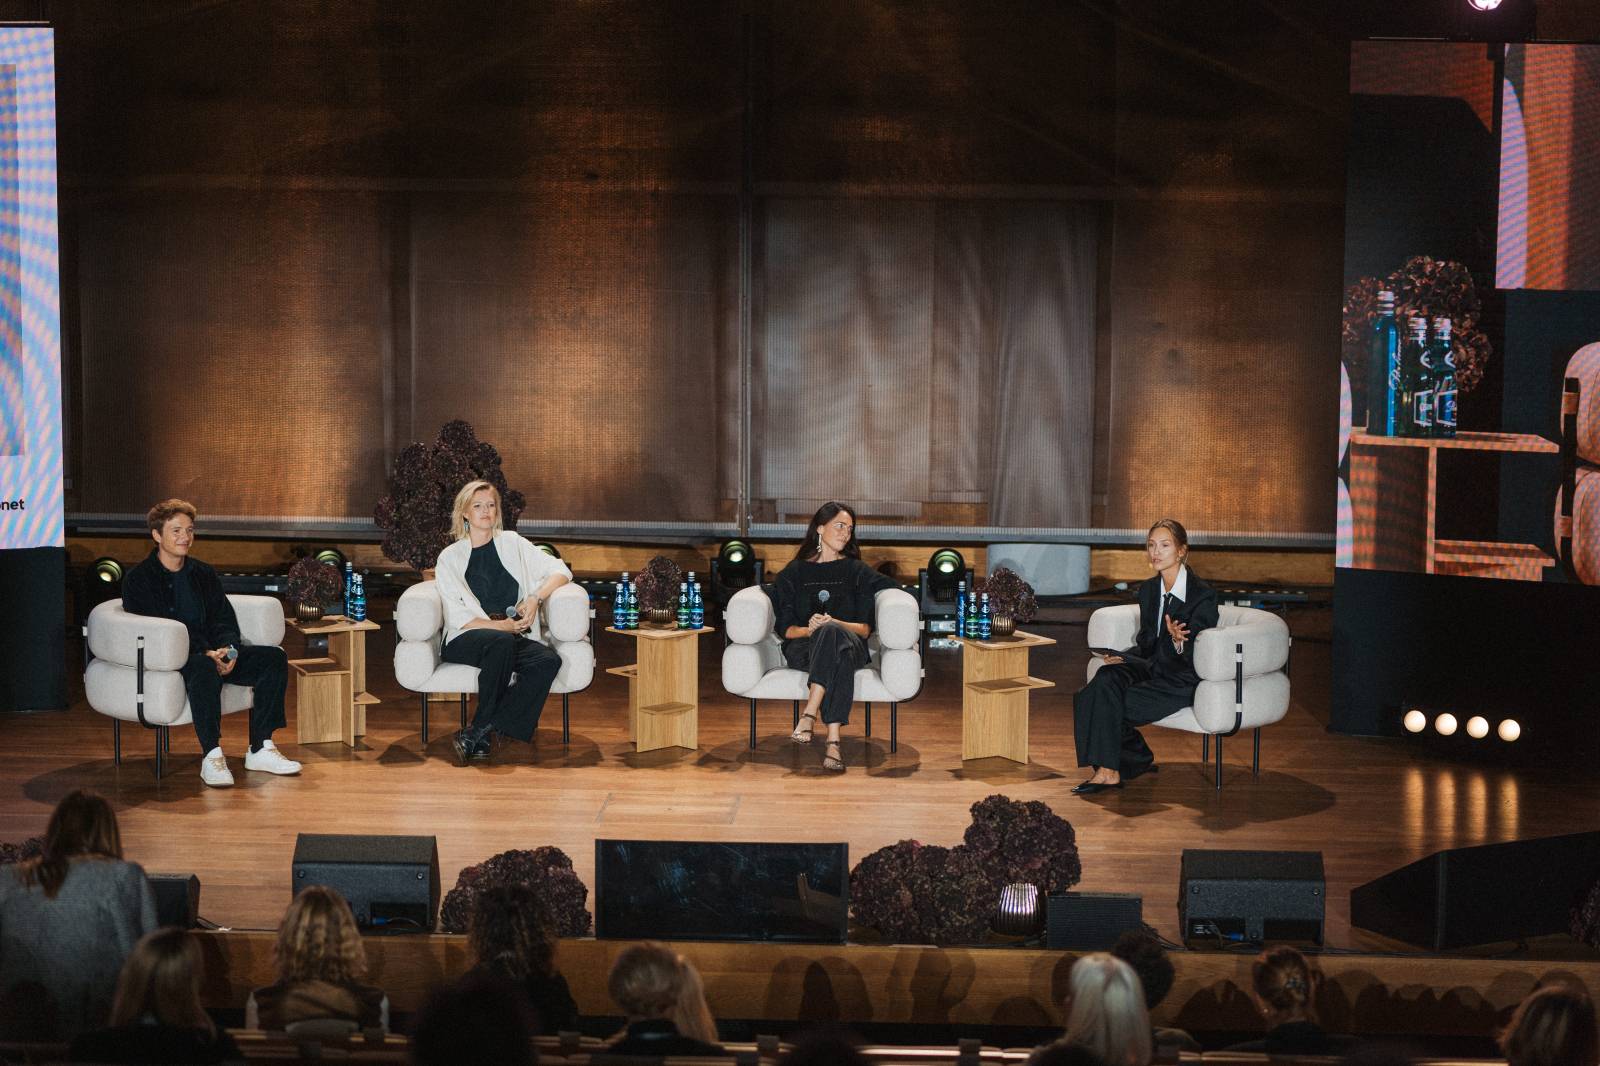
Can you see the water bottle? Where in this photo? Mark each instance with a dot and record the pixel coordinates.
(984, 620)
(633, 605)
(961, 608)
(619, 604)
(1416, 382)
(358, 600)
(1383, 370)
(697, 605)
(349, 586)
(1444, 380)
(972, 614)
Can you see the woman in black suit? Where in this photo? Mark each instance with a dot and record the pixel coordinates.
(1152, 679)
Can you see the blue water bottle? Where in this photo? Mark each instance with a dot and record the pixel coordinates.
(697, 605)
(619, 604)
(349, 586)
(683, 605)
(633, 605)
(985, 623)
(358, 601)
(961, 608)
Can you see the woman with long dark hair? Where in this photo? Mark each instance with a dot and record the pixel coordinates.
(823, 606)
(1152, 679)
(69, 917)
(513, 938)
(157, 1016)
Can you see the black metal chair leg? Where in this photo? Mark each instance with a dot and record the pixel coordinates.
(566, 723)
(796, 713)
(753, 725)
(424, 719)
(1219, 762)
(161, 752)
(463, 710)
(894, 728)
(116, 741)
(1205, 748)
(1255, 762)
(869, 718)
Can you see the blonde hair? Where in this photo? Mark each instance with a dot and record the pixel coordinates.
(458, 511)
(1106, 1011)
(162, 977)
(82, 825)
(1555, 1026)
(318, 940)
(650, 980)
(691, 1015)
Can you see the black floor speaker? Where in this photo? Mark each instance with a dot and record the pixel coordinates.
(390, 881)
(177, 899)
(1481, 895)
(1251, 896)
(1090, 921)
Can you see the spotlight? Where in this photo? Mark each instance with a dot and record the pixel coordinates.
(1445, 724)
(736, 566)
(1477, 727)
(1484, 5)
(332, 556)
(547, 548)
(1415, 721)
(937, 588)
(108, 570)
(1510, 730)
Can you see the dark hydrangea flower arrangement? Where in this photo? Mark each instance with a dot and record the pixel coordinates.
(658, 583)
(1009, 594)
(315, 583)
(548, 870)
(415, 513)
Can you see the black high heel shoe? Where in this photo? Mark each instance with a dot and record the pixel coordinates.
(1092, 788)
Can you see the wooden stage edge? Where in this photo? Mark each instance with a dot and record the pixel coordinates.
(1368, 994)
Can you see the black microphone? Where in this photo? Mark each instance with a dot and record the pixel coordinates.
(822, 601)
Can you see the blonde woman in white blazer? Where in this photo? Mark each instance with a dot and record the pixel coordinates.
(492, 583)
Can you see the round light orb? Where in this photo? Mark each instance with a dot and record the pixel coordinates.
(1484, 5)
(1510, 730)
(1415, 721)
(1477, 727)
(1445, 724)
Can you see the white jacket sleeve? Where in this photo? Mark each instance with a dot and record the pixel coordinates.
(450, 575)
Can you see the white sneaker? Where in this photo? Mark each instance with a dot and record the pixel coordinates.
(270, 760)
(214, 770)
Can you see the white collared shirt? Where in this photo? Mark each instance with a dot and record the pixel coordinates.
(1179, 592)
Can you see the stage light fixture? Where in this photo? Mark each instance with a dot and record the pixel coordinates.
(1445, 724)
(1415, 721)
(1477, 727)
(332, 556)
(1510, 730)
(735, 566)
(108, 570)
(1484, 5)
(548, 548)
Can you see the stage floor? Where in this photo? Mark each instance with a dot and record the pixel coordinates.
(1368, 805)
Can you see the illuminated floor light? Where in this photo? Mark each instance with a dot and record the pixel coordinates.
(1445, 724)
(1415, 721)
(1477, 727)
(1510, 730)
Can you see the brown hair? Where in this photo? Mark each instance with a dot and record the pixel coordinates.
(318, 940)
(162, 513)
(512, 932)
(83, 824)
(1555, 1026)
(1285, 982)
(162, 977)
(1173, 526)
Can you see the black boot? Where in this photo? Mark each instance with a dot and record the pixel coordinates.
(467, 743)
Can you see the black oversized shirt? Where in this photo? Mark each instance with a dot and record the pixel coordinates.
(844, 588)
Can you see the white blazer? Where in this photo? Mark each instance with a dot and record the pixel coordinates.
(530, 566)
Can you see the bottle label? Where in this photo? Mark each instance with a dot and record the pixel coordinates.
(1445, 408)
(1422, 415)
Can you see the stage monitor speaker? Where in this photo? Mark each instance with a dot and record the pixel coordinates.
(177, 899)
(1481, 895)
(389, 881)
(1090, 921)
(1252, 896)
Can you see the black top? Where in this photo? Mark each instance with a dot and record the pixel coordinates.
(1299, 1038)
(849, 585)
(490, 581)
(151, 589)
(1198, 611)
(144, 1042)
(657, 1037)
(548, 995)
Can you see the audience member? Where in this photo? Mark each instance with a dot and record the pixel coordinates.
(1554, 1026)
(157, 1017)
(1285, 987)
(660, 993)
(321, 964)
(1106, 1012)
(482, 1019)
(828, 1046)
(513, 937)
(1062, 1053)
(1142, 950)
(67, 921)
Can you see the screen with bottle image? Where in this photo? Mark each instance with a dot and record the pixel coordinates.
(1472, 273)
(30, 323)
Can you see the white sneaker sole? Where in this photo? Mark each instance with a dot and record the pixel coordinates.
(279, 770)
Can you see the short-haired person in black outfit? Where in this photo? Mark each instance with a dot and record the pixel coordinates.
(1152, 679)
(823, 604)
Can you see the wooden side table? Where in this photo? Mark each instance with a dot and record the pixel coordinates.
(327, 709)
(994, 696)
(663, 687)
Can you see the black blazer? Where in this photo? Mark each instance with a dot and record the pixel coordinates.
(1198, 612)
(147, 590)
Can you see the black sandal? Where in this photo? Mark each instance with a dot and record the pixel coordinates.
(800, 736)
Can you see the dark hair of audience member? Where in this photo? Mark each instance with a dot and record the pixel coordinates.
(1062, 1053)
(83, 823)
(480, 1019)
(161, 978)
(1554, 1026)
(1149, 960)
(512, 932)
(1285, 983)
(827, 1046)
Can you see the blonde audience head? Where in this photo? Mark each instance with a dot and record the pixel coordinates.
(319, 941)
(650, 980)
(1106, 1011)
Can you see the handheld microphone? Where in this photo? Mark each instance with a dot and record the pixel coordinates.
(822, 601)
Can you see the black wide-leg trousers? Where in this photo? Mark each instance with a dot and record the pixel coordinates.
(509, 709)
(830, 656)
(263, 670)
(1106, 710)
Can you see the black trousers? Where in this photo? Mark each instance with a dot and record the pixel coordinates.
(1121, 696)
(263, 670)
(830, 657)
(501, 658)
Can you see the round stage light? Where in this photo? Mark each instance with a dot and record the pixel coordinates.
(734, 552)
(1415, 721)
(1445, 724)
(1510, 730)
(108, 570)
(946, 561)
(1484, 5)
(332, 556)
(1477, 727)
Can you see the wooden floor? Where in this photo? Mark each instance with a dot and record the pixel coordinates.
(1367, 805)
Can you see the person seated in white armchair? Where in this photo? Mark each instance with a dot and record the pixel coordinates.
(169, 584)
